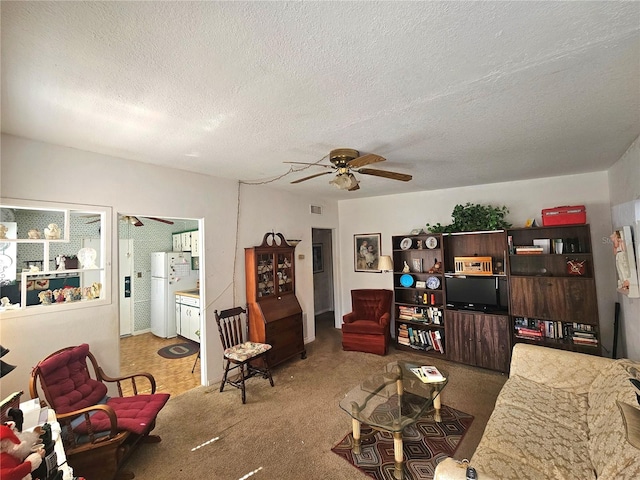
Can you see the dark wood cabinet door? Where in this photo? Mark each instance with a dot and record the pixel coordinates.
(537, 297)
(564, 299)
(460, 336)
(581, 300)
(493, 341)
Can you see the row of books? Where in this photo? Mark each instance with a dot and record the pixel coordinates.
(531, 328)
(584, 338)
(420, 339)
(421, 314)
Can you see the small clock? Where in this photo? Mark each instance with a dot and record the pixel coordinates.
(406, 280)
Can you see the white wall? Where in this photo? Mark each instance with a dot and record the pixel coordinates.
(399, 214)
(32, 170)
(624, 184)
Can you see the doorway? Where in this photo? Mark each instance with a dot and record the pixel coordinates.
(323, 282)
(140, 236)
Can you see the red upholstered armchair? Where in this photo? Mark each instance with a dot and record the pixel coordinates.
(366, 328)
(98, 431)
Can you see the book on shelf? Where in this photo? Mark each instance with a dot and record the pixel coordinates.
(586, 341)
(528, 249)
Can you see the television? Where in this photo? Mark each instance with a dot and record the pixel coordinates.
(484, 294)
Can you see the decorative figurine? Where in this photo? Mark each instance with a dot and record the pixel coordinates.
(3, 231)
(52, 232)
(436, 267)
(45, 297)
(34, 233)
(406, 268)
(60, 261)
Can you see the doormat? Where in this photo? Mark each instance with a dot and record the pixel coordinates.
(179, 350)
(425, 444)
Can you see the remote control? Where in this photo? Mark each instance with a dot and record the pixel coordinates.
(471, 474)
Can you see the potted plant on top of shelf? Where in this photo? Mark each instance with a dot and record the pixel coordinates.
(473, 217)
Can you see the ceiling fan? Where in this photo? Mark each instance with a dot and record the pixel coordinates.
(346, 162)
(135, 221)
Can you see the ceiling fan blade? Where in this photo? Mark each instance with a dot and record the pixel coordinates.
(310, 177)
(160, 220)
(312, 164)
(365, 160)
(383, 173)
(93, 221)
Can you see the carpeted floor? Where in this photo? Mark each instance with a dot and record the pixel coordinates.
(424, 444)
(287, 432)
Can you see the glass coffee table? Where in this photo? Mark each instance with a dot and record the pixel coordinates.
(390, 401)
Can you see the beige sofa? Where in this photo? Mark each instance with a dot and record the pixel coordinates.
(558, 417)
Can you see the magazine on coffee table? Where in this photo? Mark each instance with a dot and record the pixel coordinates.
(428, 373)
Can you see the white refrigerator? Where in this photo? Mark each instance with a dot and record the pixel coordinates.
(170, 272)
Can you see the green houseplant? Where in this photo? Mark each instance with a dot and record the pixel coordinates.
(473, 217)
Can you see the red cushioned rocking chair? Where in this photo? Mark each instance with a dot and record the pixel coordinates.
(99, 432)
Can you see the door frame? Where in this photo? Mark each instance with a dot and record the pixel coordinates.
(201, 278)
(125, 246)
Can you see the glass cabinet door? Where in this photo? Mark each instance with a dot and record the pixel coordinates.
(285, 272)
(266, 286)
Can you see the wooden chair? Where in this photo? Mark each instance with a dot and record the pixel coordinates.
(233, 327)
(99, 432)
(366, 328)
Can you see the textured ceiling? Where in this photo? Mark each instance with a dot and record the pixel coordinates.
(453, 93)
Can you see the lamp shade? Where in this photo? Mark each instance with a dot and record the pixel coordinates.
(385, 263)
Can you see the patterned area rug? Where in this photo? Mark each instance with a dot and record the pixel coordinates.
(425, 444)
(179, 350)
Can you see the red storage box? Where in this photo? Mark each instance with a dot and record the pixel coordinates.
(567, 215)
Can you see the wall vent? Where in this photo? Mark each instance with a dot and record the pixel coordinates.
(316, 209)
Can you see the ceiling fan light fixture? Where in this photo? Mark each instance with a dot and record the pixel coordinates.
(344, 181)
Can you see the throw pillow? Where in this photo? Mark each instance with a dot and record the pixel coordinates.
(631, 420)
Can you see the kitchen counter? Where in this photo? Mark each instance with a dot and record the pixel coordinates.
(195, 293)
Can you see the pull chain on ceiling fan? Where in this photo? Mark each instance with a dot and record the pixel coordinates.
(346, 161)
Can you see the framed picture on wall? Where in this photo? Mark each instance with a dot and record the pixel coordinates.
(318, 260)
(366, 252)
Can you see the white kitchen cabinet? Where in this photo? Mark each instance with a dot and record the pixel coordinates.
(186, 241)
(195, 244)
(177, 242)
(188, 317)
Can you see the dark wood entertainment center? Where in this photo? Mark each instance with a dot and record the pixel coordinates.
(550, 298)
